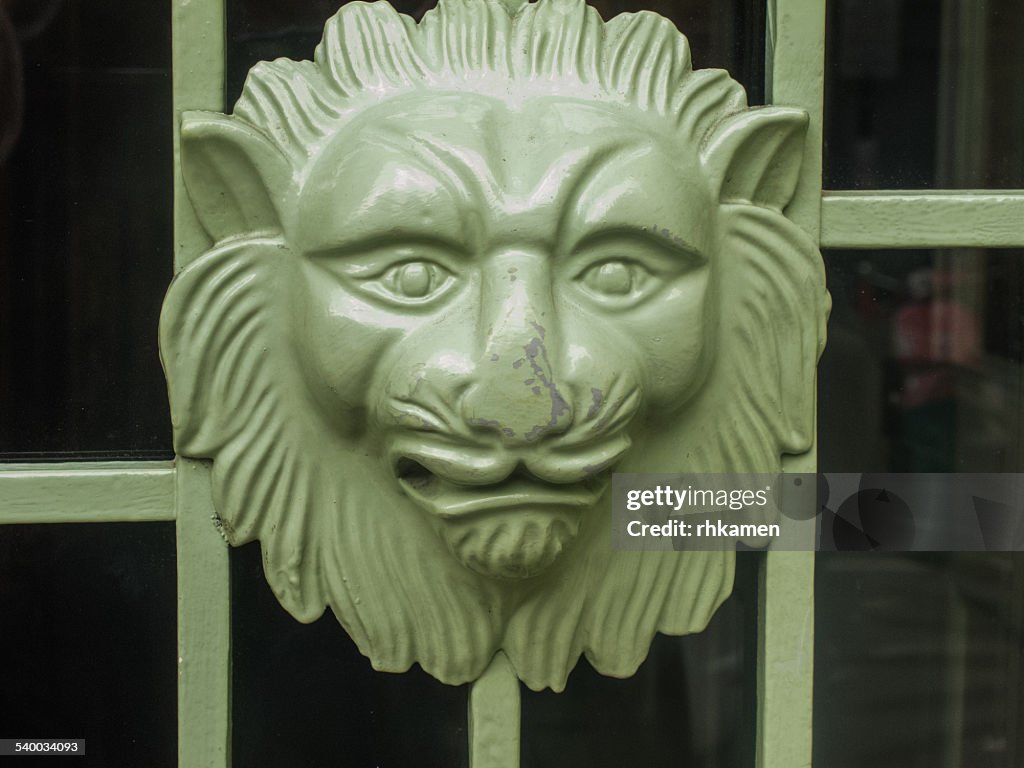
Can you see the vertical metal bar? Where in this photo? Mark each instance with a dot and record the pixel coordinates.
(494, 716)
(197, 44)
(204, 642)
(796, 71)
(785, 661)
(795, 63)
(204, 649)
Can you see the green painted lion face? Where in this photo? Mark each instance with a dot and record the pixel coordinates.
(458, 280)
(499, 281)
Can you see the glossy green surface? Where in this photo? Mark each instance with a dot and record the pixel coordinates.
(89, 492)
(204, 640)
(907, 219)
(494, 715)
(795, 49)
(459, 280)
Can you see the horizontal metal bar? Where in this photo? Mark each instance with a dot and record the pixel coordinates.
(923, 219)
(107, 492)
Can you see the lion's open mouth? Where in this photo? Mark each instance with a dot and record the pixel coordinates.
(450, 495)
(512, 527)
(413, 474)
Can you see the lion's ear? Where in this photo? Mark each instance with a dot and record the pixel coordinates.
(237, 179)
(754, 156)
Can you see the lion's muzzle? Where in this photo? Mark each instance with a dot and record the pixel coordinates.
(505, 509)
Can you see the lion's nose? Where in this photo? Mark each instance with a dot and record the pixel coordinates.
(516, 390)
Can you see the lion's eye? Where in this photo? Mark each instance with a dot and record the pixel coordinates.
(412, 281)
(411, 276)
(615, 278)
(619, 269)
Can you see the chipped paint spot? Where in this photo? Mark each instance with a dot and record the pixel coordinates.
(537, 355)
(595, 406)
(590, 470)
(493, 423)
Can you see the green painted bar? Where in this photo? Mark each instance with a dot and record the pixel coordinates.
(795, 51)
(204, 647)
(198, 55)
(795, 67)
(111, 492)
(204, 626)
(494, 717)
(879, 219)
(785, 661)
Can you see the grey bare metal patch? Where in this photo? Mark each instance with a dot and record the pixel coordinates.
(535, 353)
(477, 422)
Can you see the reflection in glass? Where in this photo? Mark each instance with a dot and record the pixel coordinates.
(917, 656)
(922, 371)
(924, 94)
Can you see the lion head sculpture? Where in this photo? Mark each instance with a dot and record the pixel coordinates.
(463, 270)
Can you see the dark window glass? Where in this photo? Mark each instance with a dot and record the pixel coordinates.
(922, 371)
(728, 34)
(303, 694)
(87, 645)
(918, 660)
(85, 227)
(917, 656)
(692, 702)
(924, 93)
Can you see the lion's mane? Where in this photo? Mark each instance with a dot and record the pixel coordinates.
(330, 537)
